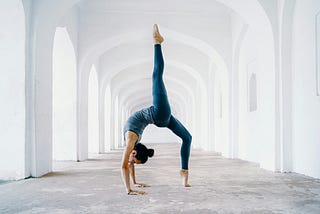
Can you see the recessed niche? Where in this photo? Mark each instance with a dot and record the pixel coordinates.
(253, 92)
(252, 86)
(220, 101)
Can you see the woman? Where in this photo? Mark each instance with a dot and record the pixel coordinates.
(160, 115)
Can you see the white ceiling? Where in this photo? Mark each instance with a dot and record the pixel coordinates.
(177, 7)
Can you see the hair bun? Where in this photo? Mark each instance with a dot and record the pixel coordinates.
(150, 152)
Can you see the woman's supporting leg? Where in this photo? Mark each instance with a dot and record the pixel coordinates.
(176, 127)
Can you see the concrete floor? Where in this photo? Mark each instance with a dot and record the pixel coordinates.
(219, 185)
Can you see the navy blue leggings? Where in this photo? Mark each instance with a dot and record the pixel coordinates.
(161, 111)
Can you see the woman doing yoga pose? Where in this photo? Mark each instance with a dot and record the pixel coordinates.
(160, 115)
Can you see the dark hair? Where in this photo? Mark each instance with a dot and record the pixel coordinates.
(143, 152)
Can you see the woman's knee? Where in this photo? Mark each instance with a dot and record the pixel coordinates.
(158, 67)
(157, 74)
(187, 138)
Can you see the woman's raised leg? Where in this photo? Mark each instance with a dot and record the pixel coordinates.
(161, 107)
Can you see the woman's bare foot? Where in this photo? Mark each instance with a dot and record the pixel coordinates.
(157, 38)
(184, 174)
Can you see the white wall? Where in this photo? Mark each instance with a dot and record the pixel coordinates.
(306, 105)
(12, 90)
(221, 113)
(248, 138)
(256, 128)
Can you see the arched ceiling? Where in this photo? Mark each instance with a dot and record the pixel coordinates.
(124, 49)
(205, 24)
(117, 34)
(132, 78)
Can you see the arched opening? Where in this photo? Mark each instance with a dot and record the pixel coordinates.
(107, 110)
(93, 112)
(12, 90)
(64, 97)
(116, 122)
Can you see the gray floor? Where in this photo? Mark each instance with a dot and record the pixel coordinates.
(219, 185)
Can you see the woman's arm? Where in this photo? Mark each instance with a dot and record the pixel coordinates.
(131, 138)
(125, 168)
(133, 176)
(132, 173)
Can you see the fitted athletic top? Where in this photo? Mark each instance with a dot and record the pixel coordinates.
(138, 122)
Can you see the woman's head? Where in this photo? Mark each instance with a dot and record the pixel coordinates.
(141, 153)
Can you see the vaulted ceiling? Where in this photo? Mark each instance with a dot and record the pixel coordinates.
(117, 35)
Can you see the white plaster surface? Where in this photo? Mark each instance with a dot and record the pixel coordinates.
(12, 90)
(306, 105)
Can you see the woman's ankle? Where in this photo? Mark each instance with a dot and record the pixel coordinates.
(184, 171)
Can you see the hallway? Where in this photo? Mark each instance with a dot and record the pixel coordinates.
(219, 185)
(243, 77)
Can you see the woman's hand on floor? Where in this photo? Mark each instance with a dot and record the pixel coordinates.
(141, 185)
(136, 192)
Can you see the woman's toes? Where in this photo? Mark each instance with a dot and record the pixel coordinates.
(156, 35)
